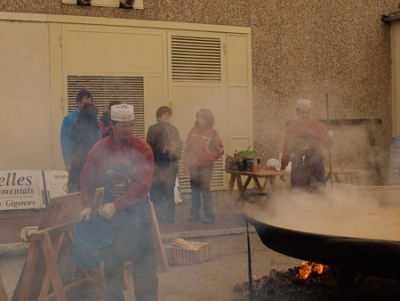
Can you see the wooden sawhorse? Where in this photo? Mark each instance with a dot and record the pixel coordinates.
(49, 271)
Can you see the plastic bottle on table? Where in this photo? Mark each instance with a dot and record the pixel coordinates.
(236, 156)
(254, 166)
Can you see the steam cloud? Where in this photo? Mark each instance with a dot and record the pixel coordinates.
(343, 211)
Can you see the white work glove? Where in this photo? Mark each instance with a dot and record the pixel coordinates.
(107, 210)
(85, 214)
(282, 175)
(329, 134)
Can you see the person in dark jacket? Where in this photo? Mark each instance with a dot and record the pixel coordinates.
(166, 144)
(83, 97)
(84, 134)
(105, 122)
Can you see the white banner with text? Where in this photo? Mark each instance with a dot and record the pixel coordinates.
(22, 190)
(56, 183)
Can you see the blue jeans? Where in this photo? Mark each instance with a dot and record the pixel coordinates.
(200, 180)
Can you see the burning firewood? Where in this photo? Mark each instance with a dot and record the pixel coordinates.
(308, 267)
(288, 286)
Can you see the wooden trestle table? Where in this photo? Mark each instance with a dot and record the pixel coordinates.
(236, 178)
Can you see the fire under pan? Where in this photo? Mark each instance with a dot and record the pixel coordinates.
(348, 253)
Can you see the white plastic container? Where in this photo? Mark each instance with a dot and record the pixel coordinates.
(108, 3)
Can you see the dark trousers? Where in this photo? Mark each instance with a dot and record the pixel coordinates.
(200, 182)
(74, 179)
(164, 201)
(162, 193)
(308, 172)
(144, 271)
(133, 241)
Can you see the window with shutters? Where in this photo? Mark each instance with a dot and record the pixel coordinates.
(126, 89)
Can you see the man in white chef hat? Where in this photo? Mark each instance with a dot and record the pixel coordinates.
(304, 142)
(122, 163)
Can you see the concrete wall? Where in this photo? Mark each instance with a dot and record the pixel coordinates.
(301, 49)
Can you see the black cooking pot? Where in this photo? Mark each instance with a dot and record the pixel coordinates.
(372, 257)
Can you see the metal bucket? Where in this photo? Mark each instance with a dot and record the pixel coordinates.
(91, 239)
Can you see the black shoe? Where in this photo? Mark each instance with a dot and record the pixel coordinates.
(208, 221)
(193, 219)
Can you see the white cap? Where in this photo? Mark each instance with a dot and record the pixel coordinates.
(304, 104)
(122, 112)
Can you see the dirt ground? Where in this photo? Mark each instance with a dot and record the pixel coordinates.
(210, 280)
(220, 278)
(227, 269)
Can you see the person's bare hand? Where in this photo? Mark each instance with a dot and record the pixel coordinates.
(282, 175)
(170, 149)
(67, 167)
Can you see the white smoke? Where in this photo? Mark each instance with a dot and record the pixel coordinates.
(345, 211)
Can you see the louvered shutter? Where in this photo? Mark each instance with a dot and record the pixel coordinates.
(217, 180)
(195, 59)
(104, 89)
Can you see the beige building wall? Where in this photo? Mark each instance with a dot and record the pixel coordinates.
(82, 46)
(300, 49)
(395, 46)
(25, 100)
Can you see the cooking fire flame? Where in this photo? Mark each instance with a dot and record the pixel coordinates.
(308, 267)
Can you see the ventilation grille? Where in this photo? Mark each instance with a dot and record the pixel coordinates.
(195, 59)
(217, 181)
(104, 89)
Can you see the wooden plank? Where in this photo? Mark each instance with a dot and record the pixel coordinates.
(162, 257)
(52, 268)
(61, 210)
(375, 153)
(47, 278)
(351, 121)
(3, 295)
(26, 277)
(49, 257)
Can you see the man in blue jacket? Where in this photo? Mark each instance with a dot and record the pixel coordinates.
(83, 97)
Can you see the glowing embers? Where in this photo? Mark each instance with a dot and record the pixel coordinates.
(308, 268)
(285, 285)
